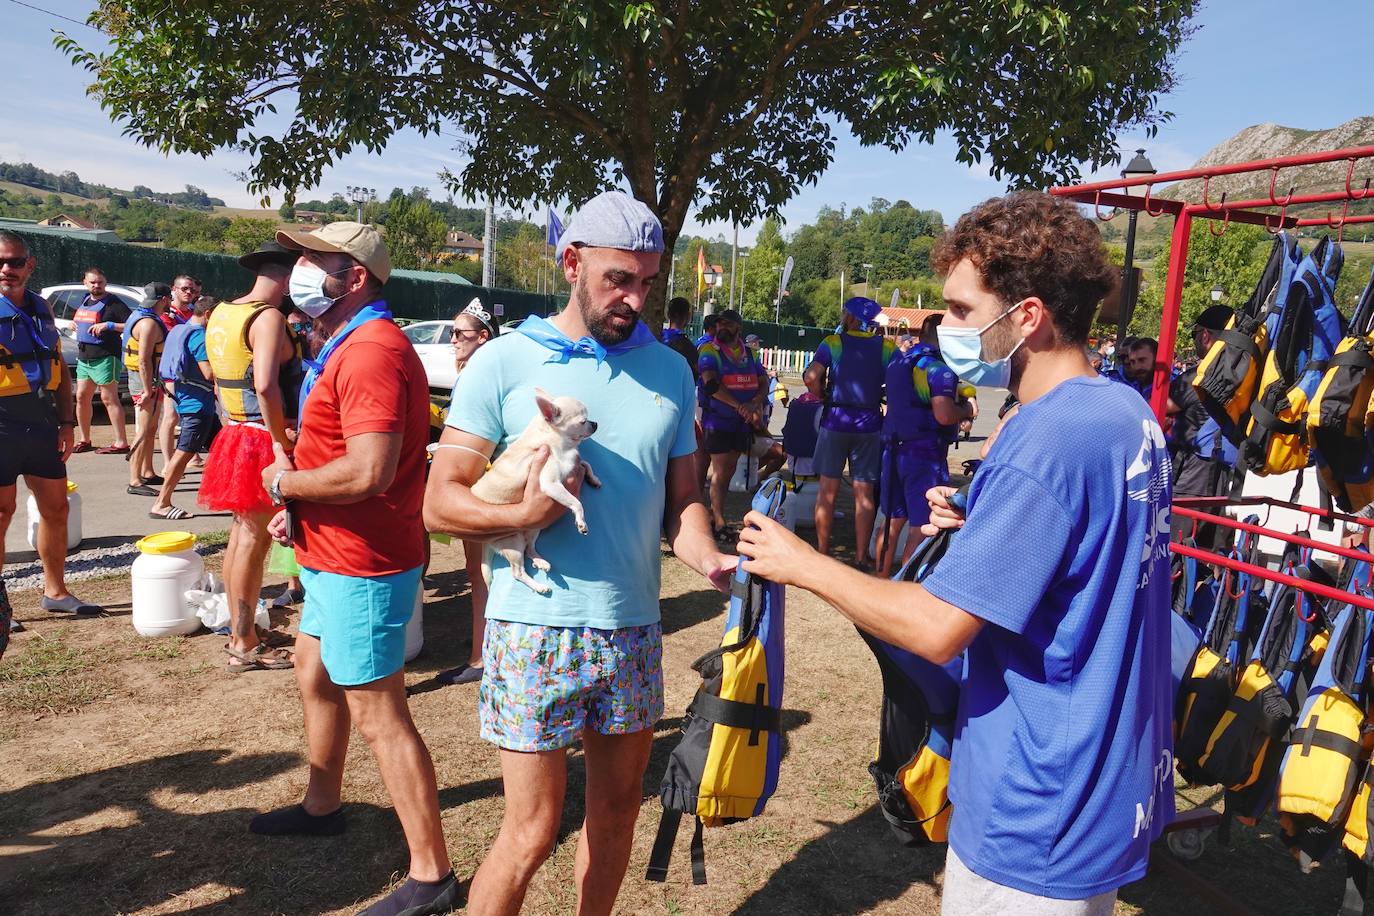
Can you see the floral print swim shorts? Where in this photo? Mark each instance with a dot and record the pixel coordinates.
(542, 685)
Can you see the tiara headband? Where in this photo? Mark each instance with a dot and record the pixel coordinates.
(476, 310)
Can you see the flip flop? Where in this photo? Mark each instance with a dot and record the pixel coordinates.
(141, 490)
(82, 448)
(155, 481)
(173, 514)
(258, 658)
(113, 450)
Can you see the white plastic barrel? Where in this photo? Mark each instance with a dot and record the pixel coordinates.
(167, 567)
(737, 481)
(798, 508)
(415, 629)
(73, 518)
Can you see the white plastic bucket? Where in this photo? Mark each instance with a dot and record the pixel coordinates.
(73, 518)
(798, 508)
(415, 629)
(737, 481)
(167, 567)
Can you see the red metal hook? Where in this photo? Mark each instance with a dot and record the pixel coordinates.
(1349, 176)
(1206, 183)
(1298, 606)
(1193, 535)
(1225, 219)
(1097, 208)
(1226, 587)
(1339, 226)
(1273, 179)
(1149, 212)
(1278, 230)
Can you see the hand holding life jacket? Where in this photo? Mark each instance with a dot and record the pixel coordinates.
(725, 768)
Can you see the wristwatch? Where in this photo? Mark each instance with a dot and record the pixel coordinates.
(274, 491)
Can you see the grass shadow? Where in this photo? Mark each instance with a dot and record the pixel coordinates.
(108, 842)
(851, 868)
(691, 608)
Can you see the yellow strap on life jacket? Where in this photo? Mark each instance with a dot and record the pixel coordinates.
(733, 779)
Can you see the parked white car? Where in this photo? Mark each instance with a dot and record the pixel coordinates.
(66, 298)
(435, 348)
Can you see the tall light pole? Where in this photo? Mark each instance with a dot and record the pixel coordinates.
(868, 273)
(1138, 167)
(743, 278)
(489, 246)
(734, 259)
(360, 195)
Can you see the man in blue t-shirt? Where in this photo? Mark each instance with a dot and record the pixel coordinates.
(583, 661)
(1056, 587)
(185, 369)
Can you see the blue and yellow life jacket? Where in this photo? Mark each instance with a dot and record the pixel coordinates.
(1303, 336)
(226, 348)
(91, 312)
(909, 414)
(858, 360)
(1229, 374)
(725, 768)
(1339, 417)
(132, 357)
(30, 348)
(916, 728)
(1318, 774)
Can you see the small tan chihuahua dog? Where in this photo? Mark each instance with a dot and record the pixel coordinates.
(560, 424)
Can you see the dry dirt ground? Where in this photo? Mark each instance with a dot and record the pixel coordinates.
(129, 769)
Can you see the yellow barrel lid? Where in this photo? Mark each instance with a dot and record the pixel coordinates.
(167, 542)
(71, 486)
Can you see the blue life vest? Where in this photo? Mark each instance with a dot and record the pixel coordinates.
(909, 412)
(855, 379)
(740, 378)
(30, 349)
(89, 313)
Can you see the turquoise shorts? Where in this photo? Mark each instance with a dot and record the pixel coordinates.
(360, 622)
(542, 685)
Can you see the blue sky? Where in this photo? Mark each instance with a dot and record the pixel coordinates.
(1251, 61)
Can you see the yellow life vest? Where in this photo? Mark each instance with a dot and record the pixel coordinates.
(226, 346)
(1339, 417)
(30, 348)
(131, 355)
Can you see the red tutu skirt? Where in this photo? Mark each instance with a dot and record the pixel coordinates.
(232, 481)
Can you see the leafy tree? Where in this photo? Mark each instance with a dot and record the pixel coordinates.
(245, 234)
(414, 232)
(557, 99)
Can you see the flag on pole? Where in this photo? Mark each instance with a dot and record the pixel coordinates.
(555, 228)
(701, 271)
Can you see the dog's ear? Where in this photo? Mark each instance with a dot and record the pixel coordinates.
(546, 405)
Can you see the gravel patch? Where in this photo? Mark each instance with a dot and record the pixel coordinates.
(85, 564)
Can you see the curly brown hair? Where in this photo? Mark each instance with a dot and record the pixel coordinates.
(1031, 244)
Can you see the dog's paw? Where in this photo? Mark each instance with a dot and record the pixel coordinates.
(541, 564)
(581, 527)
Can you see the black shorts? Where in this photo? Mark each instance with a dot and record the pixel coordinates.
(197, 431)
(30, 449)
(721, 441)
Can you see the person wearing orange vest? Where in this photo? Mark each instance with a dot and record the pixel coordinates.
(36, 426)
(257, 368)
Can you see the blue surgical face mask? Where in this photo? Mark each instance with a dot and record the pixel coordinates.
(306, 289)
(962, 350)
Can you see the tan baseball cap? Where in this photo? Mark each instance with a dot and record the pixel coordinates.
(359, 241)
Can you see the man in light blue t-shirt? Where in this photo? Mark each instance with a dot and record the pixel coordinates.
(1056, 588)
(584, 661)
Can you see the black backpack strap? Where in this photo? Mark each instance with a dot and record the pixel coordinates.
(1241, 341)
(698, 856)
(662, 852)
(757, 716)
(1269, 420)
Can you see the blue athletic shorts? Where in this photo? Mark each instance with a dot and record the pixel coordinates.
(360, 622)
(863, 451)
(909, 470)
(197, 429)
(542, 685)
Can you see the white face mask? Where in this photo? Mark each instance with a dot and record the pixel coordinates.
(962, 350)
(306, 289)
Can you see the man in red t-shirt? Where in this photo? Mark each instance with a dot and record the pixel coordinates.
(352, 490)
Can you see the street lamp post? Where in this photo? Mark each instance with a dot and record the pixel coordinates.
(360, 195)
(1138, 167)
(868, 273)
(1217, 293)
(743, 278)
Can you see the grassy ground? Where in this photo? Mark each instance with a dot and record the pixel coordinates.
(129, 768)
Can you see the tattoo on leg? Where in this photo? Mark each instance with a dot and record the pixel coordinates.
(243, 618)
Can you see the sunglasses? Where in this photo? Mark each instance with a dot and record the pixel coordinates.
(462, 332)
(15, 263)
